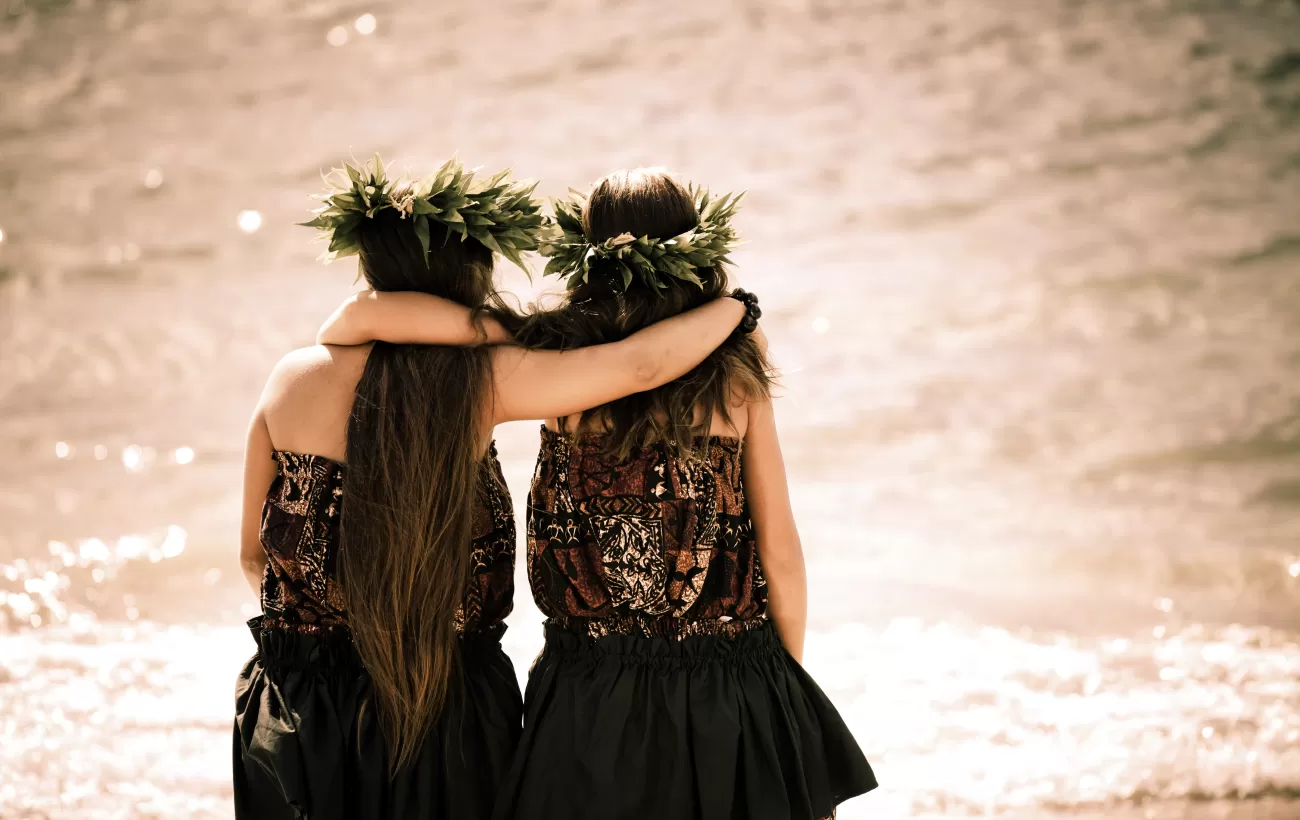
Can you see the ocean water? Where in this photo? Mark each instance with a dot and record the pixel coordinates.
(1031, 269)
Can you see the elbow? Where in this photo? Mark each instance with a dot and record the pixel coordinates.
(345, 327)
(251, 562)
(783, 555)
(252, 556)
(646, 368)
(254, 570)
(343, 332)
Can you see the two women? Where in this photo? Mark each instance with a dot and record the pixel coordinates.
(660, 540)
(376, 524)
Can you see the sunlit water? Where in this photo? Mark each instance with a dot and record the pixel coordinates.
(1031, 270)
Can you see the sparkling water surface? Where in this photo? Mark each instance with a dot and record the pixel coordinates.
(1031, 270)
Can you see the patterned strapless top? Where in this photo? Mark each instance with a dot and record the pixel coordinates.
(300, 533)
(654, 546)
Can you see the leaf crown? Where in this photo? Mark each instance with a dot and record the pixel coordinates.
(626, 258)
(497, 212)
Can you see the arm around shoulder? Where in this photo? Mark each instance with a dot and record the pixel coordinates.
(407, 317)
(542, 384)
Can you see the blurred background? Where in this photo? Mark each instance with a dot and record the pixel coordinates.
(1031, 269)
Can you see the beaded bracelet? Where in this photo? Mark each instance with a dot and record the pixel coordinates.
(752, 311)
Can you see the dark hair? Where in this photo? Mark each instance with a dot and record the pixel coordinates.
(413, 466)
(649, 202)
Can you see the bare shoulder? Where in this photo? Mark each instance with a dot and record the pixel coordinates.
(309, 395)
(739, 411)
(314, 368)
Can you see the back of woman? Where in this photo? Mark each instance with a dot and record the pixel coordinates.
(662, 550)
(384, 550)
(311, 737)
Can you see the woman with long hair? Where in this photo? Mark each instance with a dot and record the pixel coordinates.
(663, 550)
(377, 527)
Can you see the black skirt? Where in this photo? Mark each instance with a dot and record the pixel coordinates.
(706, 728)
(307, 743)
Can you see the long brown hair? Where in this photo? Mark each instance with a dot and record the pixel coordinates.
(649, 202)
(413, 466)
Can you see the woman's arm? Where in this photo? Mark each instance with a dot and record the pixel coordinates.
(259, 472)
(779, 548)
(407, 317)
(547, 384)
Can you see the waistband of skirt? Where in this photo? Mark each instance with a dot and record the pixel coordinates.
(757, 640)
(331, 648)
(658, 626)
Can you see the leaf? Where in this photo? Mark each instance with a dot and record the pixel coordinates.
(348, 223)
(513, 256)
(497, 212)
(421, 223)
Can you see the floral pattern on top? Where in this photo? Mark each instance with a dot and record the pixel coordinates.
(300, 534)
(656, 545)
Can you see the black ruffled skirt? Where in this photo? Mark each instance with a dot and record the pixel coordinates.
(304, 746)
(706, 728)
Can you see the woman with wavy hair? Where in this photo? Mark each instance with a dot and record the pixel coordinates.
(377, 527)
(663, 551)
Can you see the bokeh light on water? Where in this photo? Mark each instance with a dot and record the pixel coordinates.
(39, 584)
(1029, 269)
(250, 221)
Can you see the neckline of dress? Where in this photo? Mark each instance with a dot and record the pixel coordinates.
(491, 451)
(595, 434)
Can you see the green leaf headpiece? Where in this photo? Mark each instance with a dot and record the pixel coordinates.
(626, 258)
(497, 212)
